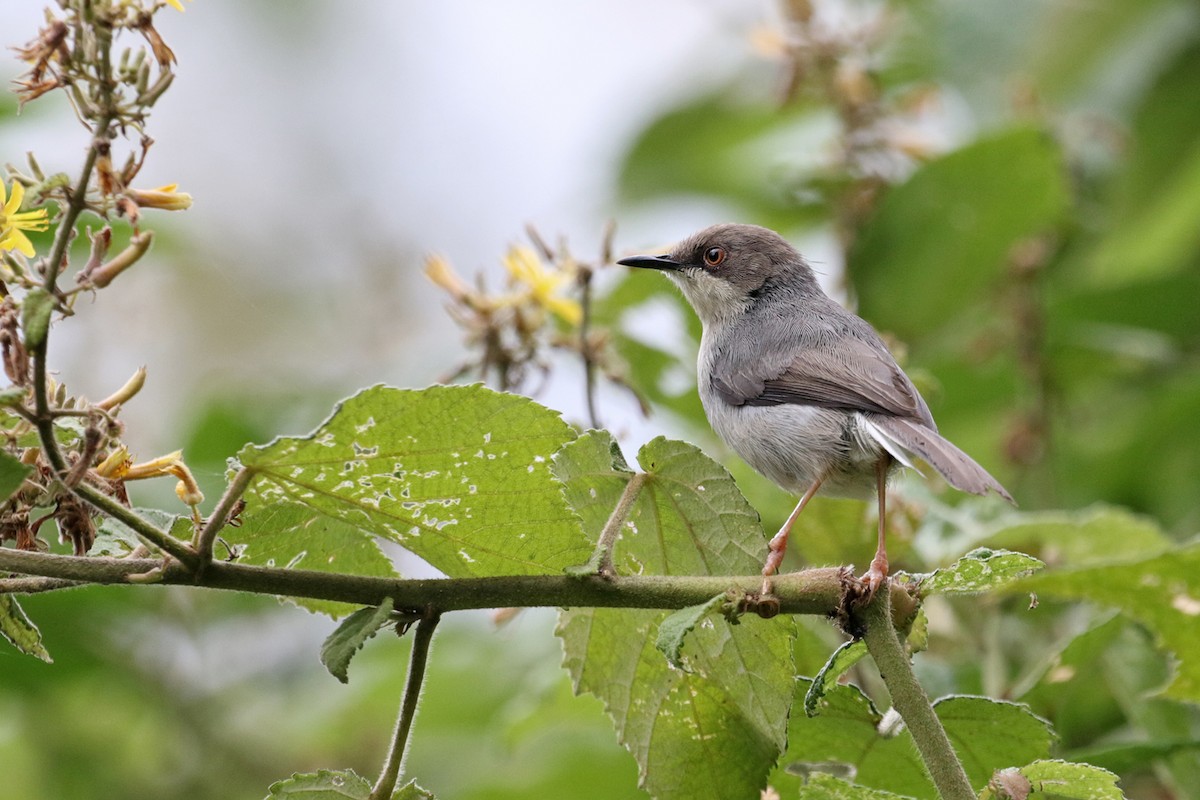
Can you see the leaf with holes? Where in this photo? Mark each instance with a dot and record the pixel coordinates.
(458, 475)
(714, 728)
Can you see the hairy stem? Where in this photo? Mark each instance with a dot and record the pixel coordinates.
(910, 700)
(43, 419)
(202, 543)
(608, 536)
(813, 591)
(408, 707)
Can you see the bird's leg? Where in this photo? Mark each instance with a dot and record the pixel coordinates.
(878, 571)
(778, 544)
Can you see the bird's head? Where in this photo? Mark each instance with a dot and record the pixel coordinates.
(723, 270)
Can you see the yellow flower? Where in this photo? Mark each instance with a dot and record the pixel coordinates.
(175, 4)
(13, 222)
(163, 197)
(543, 286)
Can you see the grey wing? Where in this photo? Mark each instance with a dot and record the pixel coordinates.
(854, 375)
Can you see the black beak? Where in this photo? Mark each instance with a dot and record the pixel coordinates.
(650, 262)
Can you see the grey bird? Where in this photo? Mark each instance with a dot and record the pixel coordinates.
(802, 389)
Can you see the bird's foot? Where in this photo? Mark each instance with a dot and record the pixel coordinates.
(876, 575)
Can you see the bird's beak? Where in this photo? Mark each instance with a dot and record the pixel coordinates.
(650, 262)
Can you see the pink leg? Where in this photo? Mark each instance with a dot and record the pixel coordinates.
(878, 571)
(778, 544)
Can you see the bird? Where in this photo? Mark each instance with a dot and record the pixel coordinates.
(803, 390)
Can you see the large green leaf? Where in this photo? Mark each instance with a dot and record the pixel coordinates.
(1162, 592)
(458, 475)
(940, 239)
(287, 534)
(987, 735)
(713, 728)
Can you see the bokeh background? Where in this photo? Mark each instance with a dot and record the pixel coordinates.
(1010, 189)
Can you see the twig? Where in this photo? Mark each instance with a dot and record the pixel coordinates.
(585, 344)
(35, 585)
(138, 524)
(203, 541)
(910, 700)
(608, 536)
(66, 230)
(408, 707)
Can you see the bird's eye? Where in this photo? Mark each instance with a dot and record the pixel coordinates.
(713, 256)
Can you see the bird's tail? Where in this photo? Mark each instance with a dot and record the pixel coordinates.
(912, 437)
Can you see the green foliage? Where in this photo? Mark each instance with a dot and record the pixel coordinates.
(458, 475)
(285, 534)
(351, 635)
(959, 215)
(1056, 779)
(1162, 592)
(12, 474)
(340, 785)
(35, 316)
(19, 631)
(847, 729)
(713, 726)
(978, 571)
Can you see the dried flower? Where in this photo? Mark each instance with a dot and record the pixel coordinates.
(164, 197)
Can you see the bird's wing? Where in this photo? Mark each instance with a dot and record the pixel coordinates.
(855, 376)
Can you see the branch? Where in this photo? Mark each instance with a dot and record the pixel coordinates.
(813, 591)
(910, 700)
(205, 537)
(408, 707)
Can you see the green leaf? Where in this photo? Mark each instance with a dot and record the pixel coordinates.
(322, 785)
(1161, 592)
(13, 396)
(410, 791)
(716, 145)
(12, 474)
(458, 475)
(714, 729)
(115, 538)
(992, 734)
(980, 570)
(19, 630)
(940, 239)
(1157, 199)
(292, 535)
(1056, 778)
(987, 735)
(35, 316)
(677, 625)
(822, 786)
(1093, 535)
(351, 635)
(846, 730)
(842, 659)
